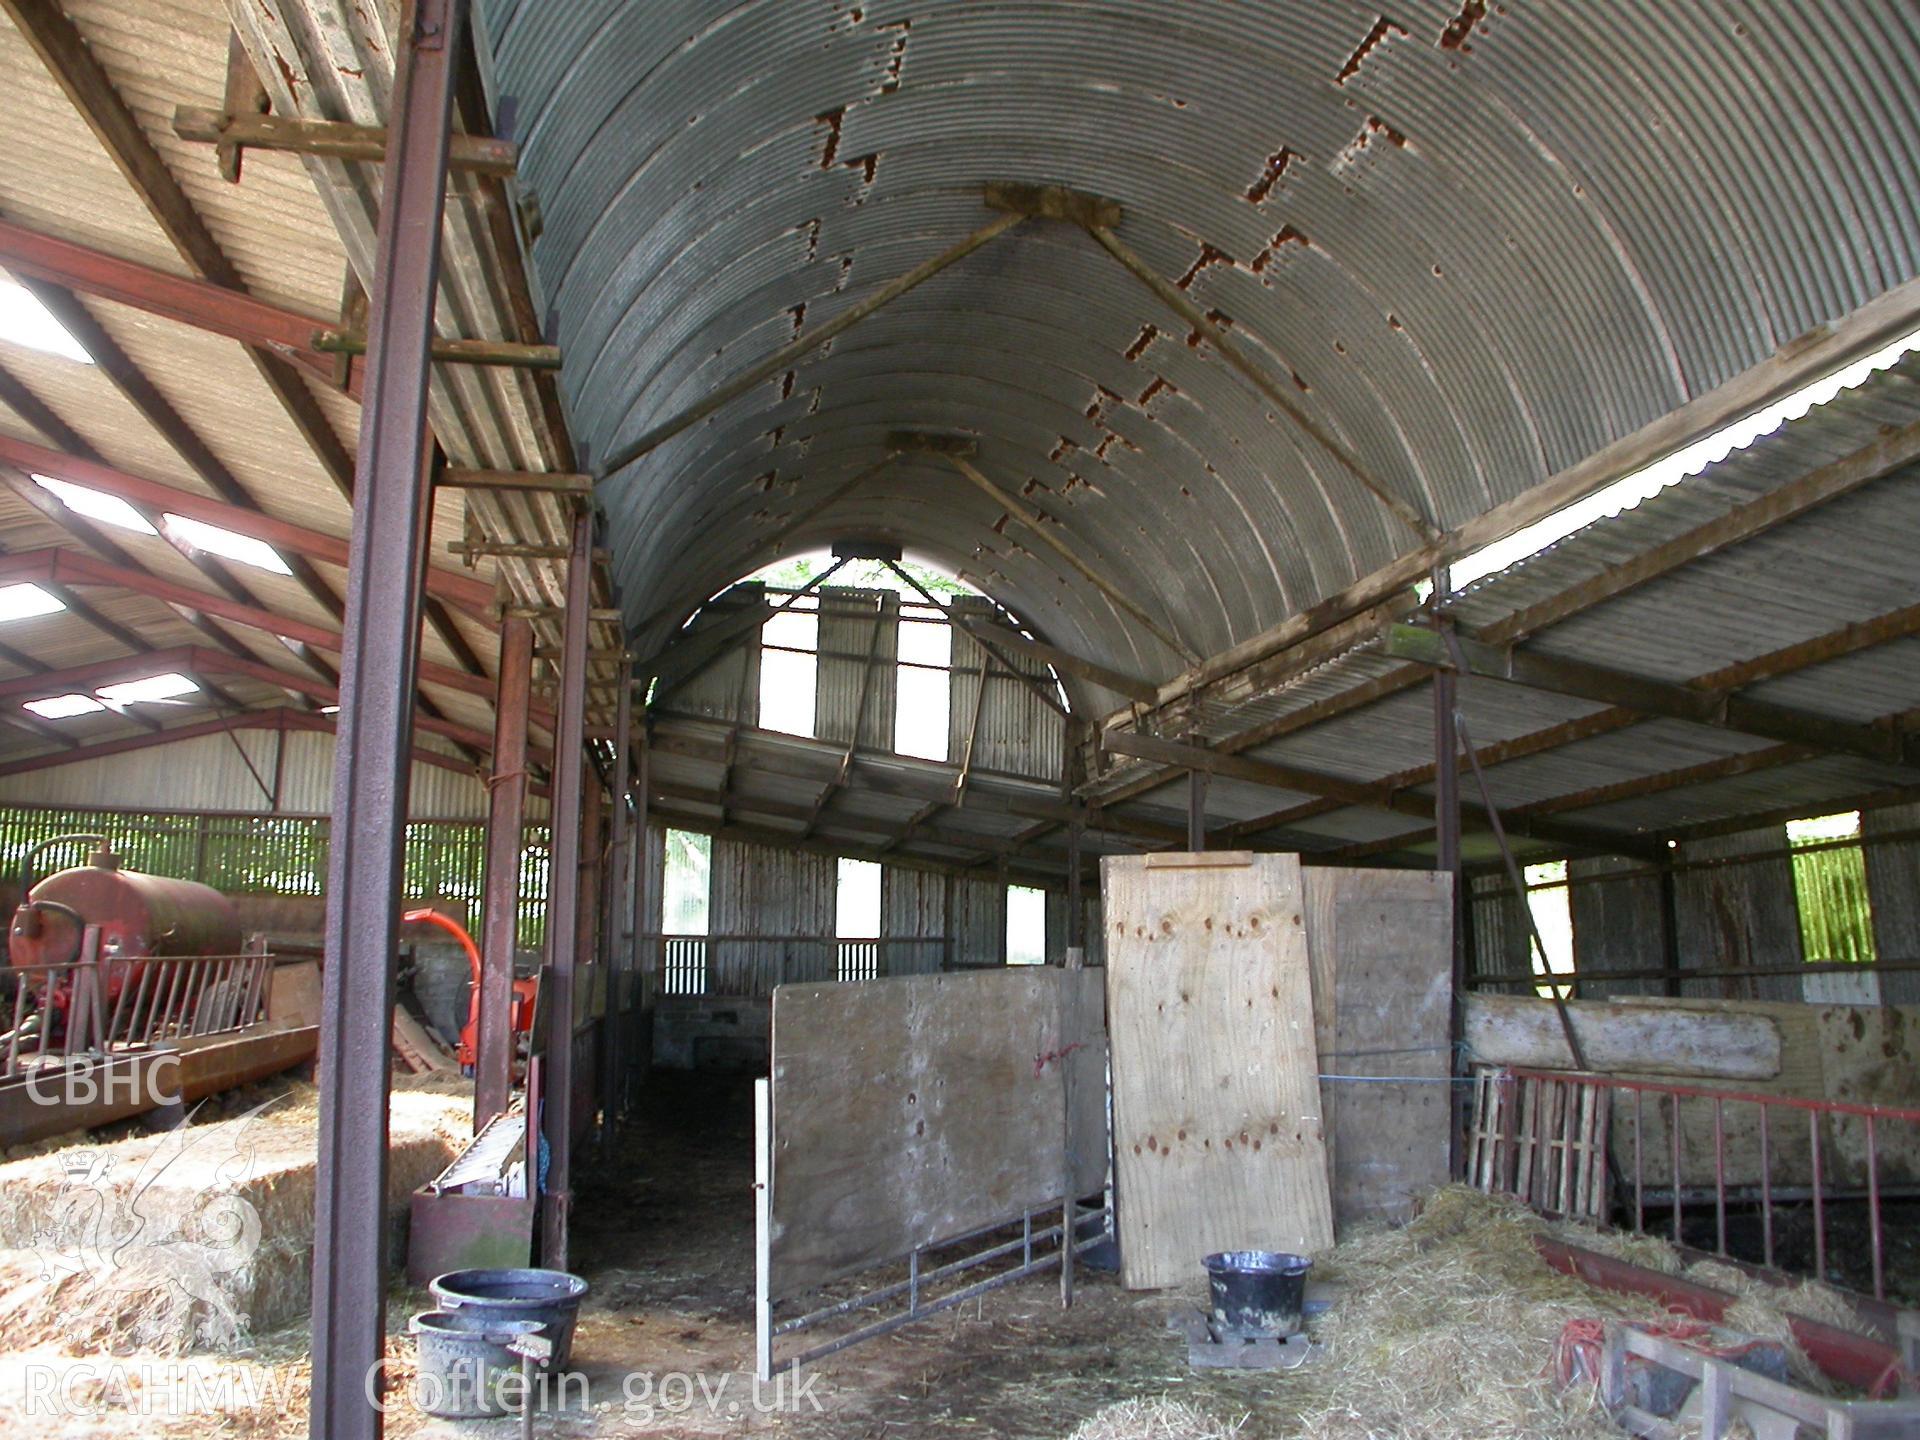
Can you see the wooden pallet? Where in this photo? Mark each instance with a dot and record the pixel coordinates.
(1726, 1393)
(1544, 1141)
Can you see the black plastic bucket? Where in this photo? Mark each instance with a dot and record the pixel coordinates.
(465, 1370)
(551, 1297)
(1257, 1292)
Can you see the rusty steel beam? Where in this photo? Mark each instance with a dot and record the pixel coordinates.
(201, 304)
(471, 595)
(1043, 528)
(279, 718)
(564, 936)
(500, 908)
(29, 407)
(333, 139)
(381, 651)
(1361, 793)
(1835, 645)
(306, 340)
(616, 907)
(64, 52)
(70, 567)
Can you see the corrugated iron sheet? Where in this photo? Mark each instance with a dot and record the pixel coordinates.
(1396, 213)
(854, 676)
(208, 774)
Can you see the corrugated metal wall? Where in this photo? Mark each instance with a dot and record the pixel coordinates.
(788, 897)
(979, 921)
(207, 775)
(1616, 925)
(1738, 916)
(1893, 893)
(1095, 938)
(1501, 945)
(729, 688)
(759, 890)
(1018, 733)
(856, 624)
(913, 906)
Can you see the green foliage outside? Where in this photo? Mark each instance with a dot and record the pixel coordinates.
(865, 574)
(1830, 888)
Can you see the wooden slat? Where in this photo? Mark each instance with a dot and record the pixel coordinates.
(1216, 1099)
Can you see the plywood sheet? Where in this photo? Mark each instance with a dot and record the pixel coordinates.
(1218, 1135)
(1381, 943)
(913, 1109)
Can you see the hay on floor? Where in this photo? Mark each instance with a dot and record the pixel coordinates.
(1161, 1418)
(1447, 1328)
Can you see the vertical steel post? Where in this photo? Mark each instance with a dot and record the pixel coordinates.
(647, 944)
(1446, 819)
(616, 911)
(386, 561)
(1071, 767)
(591, 962)
(563, 892)
(500, 903)
(1197, 810)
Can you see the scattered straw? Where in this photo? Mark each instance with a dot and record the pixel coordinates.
(1161, 1418)
(1444, 1331)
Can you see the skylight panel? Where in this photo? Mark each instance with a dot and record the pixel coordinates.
(1650, 480)
(25, 321)
(226, 543)
(95, 504)
(153, 687)
(63, 707)
(23, 601)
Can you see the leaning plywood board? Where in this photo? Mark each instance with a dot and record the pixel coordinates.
(1382, 949)
(1522, 1030)
(907, 1111)
(1217, 1127)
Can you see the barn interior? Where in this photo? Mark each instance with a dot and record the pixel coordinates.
(1085, 719)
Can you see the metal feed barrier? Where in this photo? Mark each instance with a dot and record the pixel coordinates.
(99, 1006)
(1550, 1139)
(1029, 1242)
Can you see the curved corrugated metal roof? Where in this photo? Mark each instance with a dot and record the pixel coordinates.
(1485, 242)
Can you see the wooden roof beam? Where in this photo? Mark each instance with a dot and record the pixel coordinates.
(307, 340)
(334, 139)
